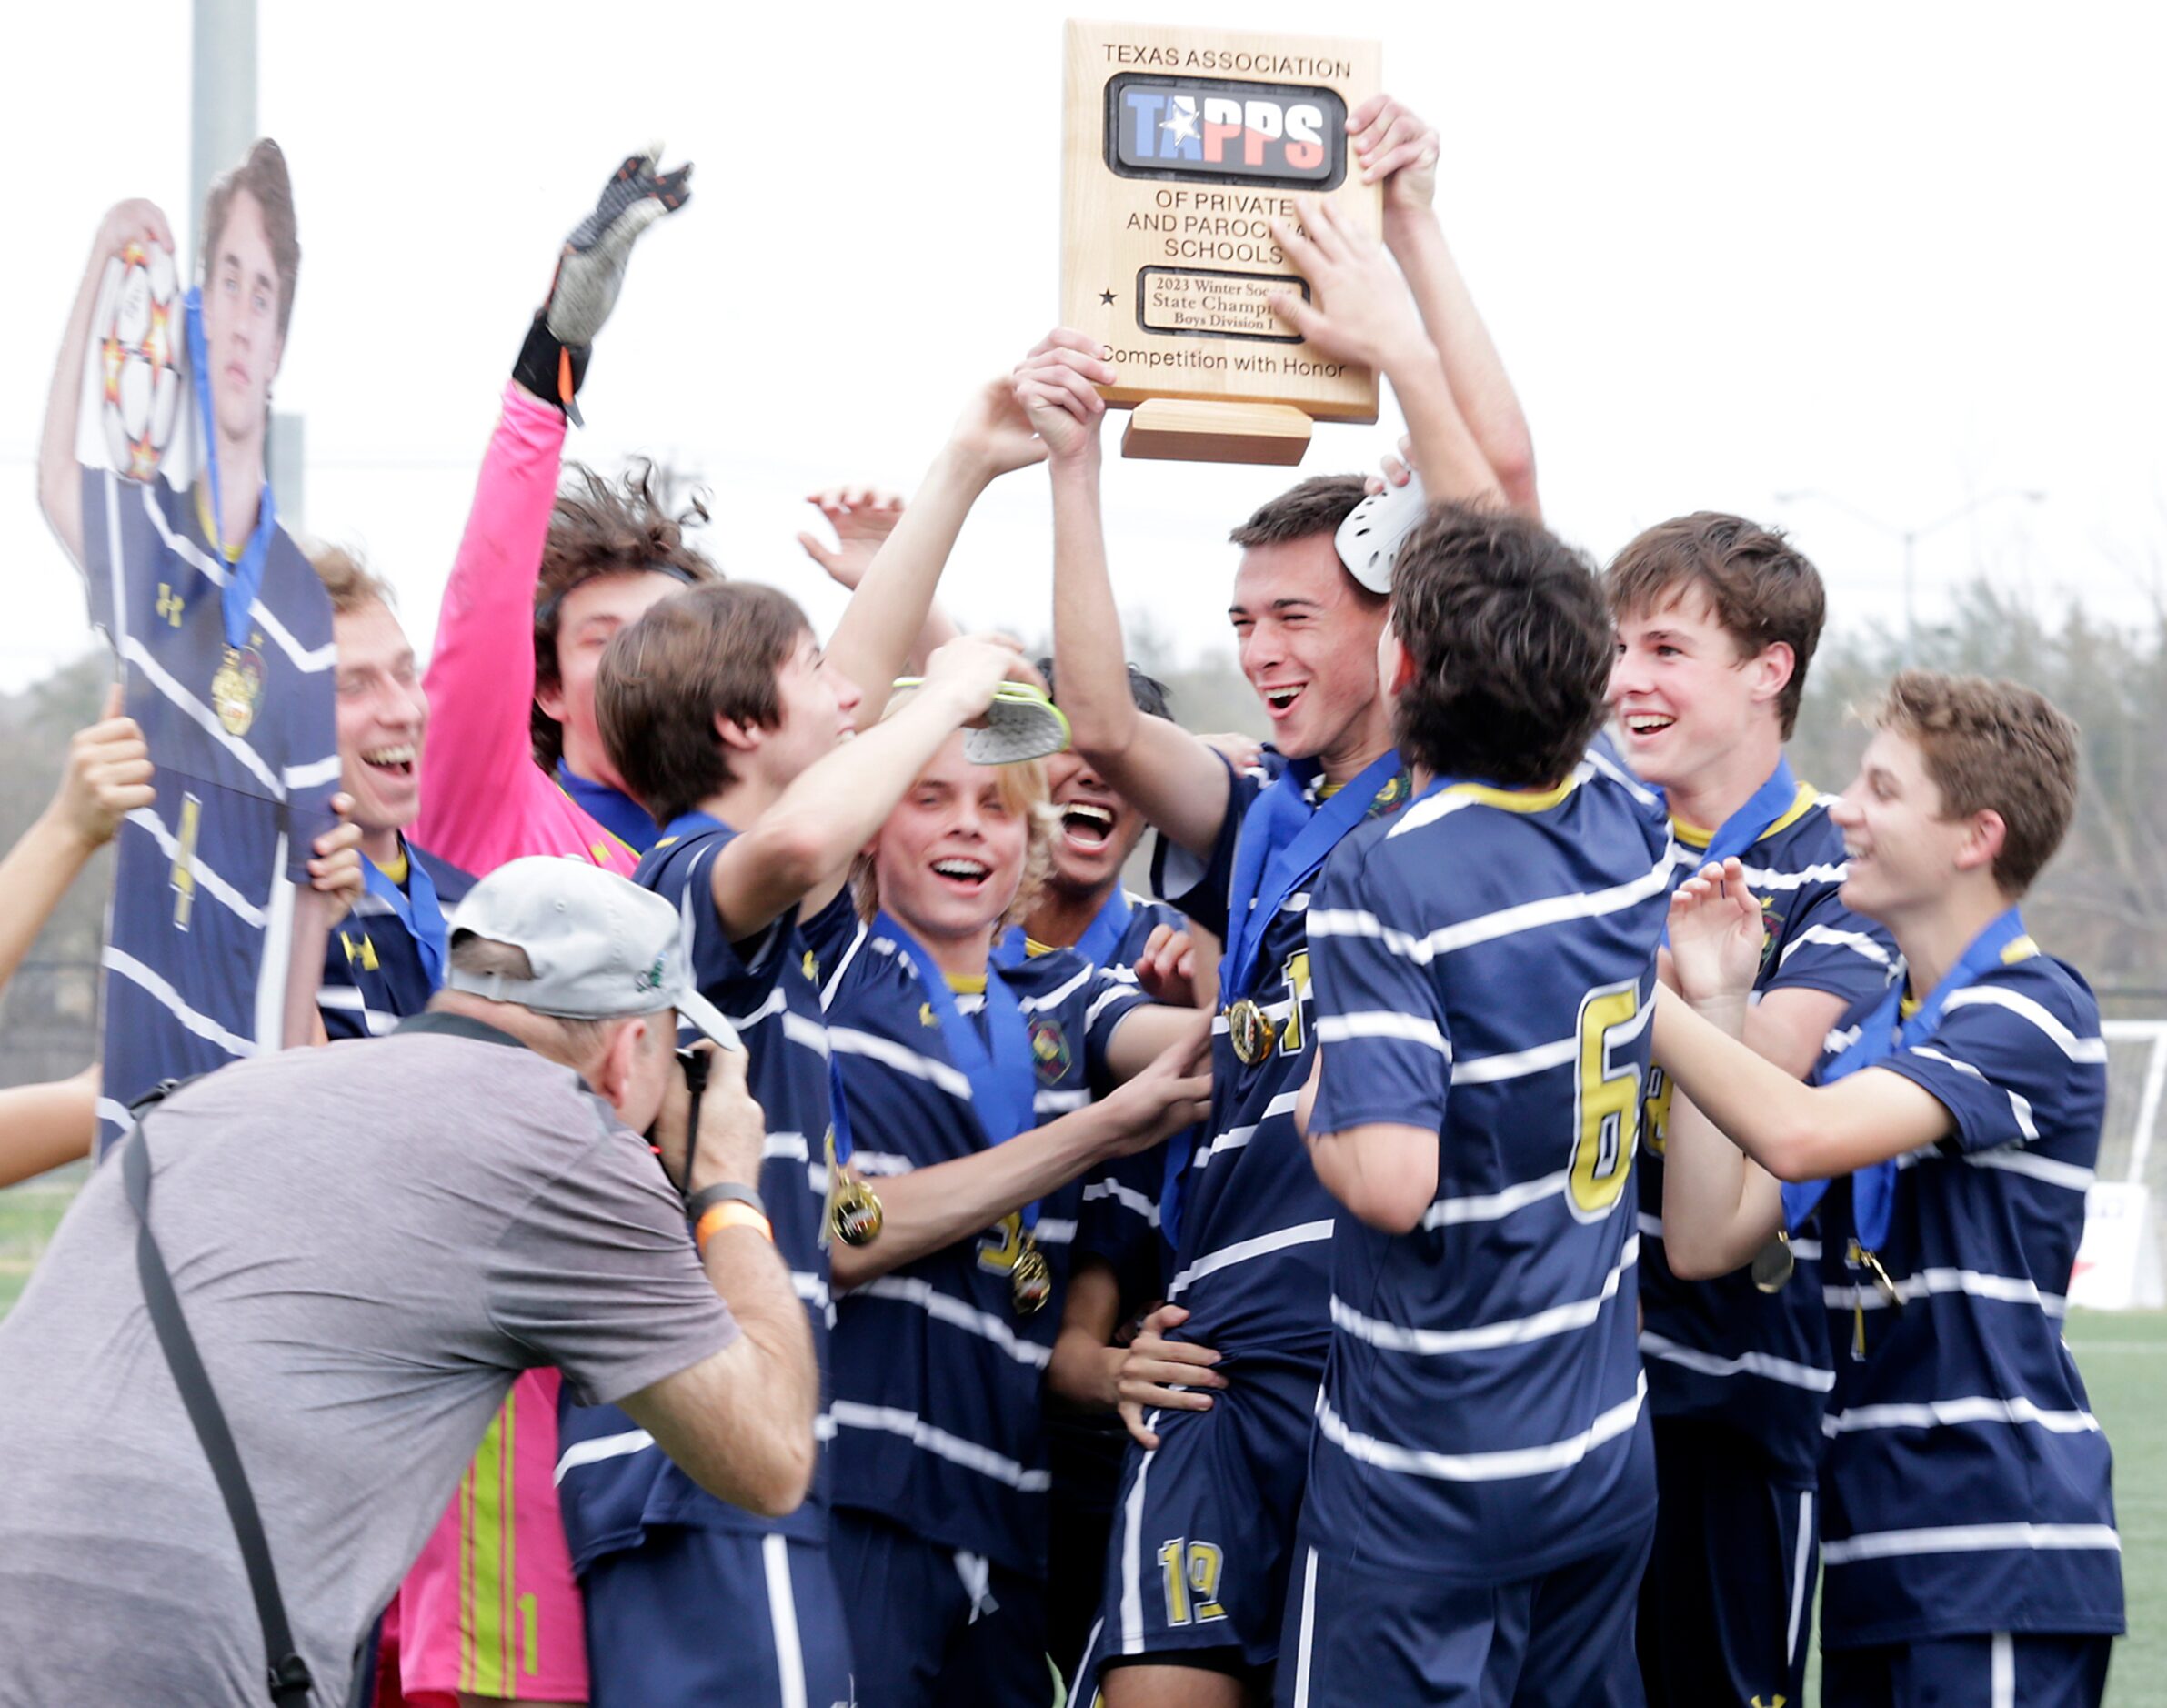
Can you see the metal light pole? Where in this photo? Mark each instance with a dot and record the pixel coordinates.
(1911, 537)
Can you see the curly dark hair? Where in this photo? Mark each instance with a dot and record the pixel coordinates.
(600, 526)
(1510, 642)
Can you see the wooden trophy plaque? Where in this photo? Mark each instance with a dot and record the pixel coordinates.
(1180, 145)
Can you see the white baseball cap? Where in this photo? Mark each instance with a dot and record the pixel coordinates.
(602, 948)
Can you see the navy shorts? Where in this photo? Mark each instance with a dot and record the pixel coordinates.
(1724, 1606)
(1204, 1525)
(934, 1628)
(2001, 1671)
(727, 1618)
(1360, 1638)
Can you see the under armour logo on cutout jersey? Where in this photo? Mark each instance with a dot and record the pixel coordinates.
(169, 605)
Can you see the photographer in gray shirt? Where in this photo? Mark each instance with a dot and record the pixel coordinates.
(369, 1242)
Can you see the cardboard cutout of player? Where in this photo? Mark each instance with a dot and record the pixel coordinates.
(151, 474)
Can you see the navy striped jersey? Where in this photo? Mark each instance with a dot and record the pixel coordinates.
(938, 1378)
(1120, 1218)
(1485, 966)
(1252, 1240)
(199, 942)
(613, 1481)
(1722, 1350)
(1966, 1486)
(375, 973)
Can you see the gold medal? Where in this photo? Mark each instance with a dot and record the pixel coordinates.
(853, 1211)
(1773, 1265)
(236, 690)
(1249, 1031)
(854, 1214)
(1031, 1282)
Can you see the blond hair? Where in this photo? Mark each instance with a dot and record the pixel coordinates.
(1025, 791)
(351, 583)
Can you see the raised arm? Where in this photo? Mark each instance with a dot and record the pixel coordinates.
(1397, 149)
(800, 849)
(480, 679)
(1169, 775)
(1363, 314)
(893, 603)
(59, 477)
(863, 518)
(108, 776)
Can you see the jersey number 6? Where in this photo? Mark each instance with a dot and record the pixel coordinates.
(1606, 1099)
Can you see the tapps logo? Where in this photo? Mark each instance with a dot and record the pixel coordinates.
(1209, 129)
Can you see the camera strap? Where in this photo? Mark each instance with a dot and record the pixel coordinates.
(288, 1677)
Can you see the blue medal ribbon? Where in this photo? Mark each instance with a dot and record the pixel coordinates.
(244, 578)
(616, 811)
(416, 908)
(1100, 938)
(1750, 823)
(1880, 1035)
(997, 1062)
(1283, 843)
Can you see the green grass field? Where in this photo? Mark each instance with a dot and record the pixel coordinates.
(2124, 1359)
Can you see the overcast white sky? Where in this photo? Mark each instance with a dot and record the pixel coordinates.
(1906, 255)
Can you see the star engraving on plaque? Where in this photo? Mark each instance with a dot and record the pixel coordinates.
(1182, 118)
(1106, 296)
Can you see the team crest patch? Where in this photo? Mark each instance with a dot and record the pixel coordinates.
(1049, 1051)
(1390, 797)
(1772, 922)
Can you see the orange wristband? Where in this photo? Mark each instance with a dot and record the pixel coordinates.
(731, 1214)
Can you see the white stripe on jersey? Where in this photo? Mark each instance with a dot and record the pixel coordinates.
(1132, 1553)
(782, 1619)
(911, 1290)
(1234, 1138)
(313, 775)
(812, 1290)
(1308, 1626)
(237, 904)
(853, 1042)
(1450, 1212)
(2076, 1048)
(275, 961)
(151, 983)
(1802, 1556)
(1242, 1251)
(592, 1452)
(2017, 1161)
(1514, 1064)
(1055, 1230)
(1765, 1364)
(348, 999)
(1489, 1467)
(1126, 987)
(1858, 942)
(1382, 1023)
(1046, 1103)
(1059, 994)
(893, 1420)
(1577, 1313)
(2010, 1290)
(196, 712)
(305, 660)
(1596, 760)
(1886, 1545)
(2002, 1670)
(2018, 1106)
(1972, 1409)
(880, 1162)
(1487, 928)
(1125, 1195)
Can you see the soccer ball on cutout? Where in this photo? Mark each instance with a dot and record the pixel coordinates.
(139, 356)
